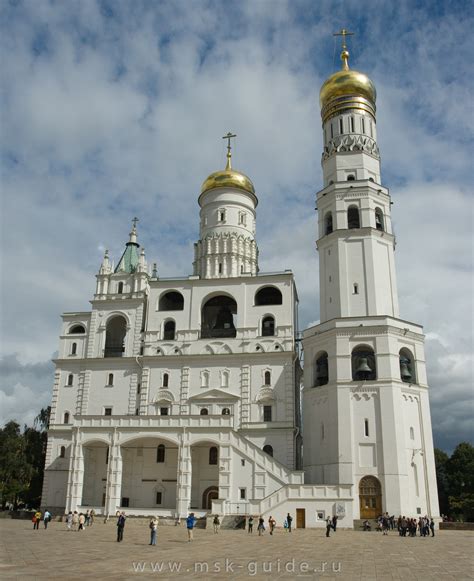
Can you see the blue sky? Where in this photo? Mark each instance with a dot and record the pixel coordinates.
(116, 109)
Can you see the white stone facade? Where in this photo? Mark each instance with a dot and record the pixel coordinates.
(183, 394)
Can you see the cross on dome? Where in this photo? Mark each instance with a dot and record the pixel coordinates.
(345, 53)
(229, 136)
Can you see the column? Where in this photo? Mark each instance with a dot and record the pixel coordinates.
(113, 493)
(76, 473)
(184, 476)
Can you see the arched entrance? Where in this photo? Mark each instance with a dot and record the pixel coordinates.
(370, 495)
(210, 494)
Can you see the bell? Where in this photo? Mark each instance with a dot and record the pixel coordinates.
(363, 366)
(224, 319)
(404, 371)
(322, 370)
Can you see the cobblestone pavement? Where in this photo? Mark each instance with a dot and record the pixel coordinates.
(95, 554)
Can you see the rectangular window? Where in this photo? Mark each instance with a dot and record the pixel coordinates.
(341, 126)
(242, 462)
(363, 124)
(107, 411)
(332, 131)
(356, 289)
(164, 411)
(243, 493)
(267, 413)
(366, 427)
(159, 497)
(220, 268)
(107, 456)
(322, 431)
(352, 124)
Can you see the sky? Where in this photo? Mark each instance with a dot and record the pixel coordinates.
(115, 109)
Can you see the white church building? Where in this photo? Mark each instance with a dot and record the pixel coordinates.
(187, 394)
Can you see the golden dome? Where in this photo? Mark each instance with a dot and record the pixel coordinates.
(228, 178)
(347, 89)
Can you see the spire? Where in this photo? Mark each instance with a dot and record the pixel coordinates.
(130, 258)
(154, 272)
(105, 267)
(229, 136)
(142, 262)
(345, 53)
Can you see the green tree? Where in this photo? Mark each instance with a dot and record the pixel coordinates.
(441, 460)
(15, 469)
(460, 475)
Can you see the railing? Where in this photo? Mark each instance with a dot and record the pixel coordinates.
(153, 422)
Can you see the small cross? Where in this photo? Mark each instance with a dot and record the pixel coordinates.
(229, 136)
(343, 32)
(134, 222)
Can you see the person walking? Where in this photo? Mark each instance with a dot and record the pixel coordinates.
(37, 520)
(46, 518)
(261, 526)
(289, 520)
(75, 521)
(120, 526)
(216, 522)
(432, 527)
(69, 520)
(334, 522)
(250, 524)
(92, 516)
(153, 530)
(385, 524)
(82, 520)
(190, 522)
(271, 524)
(88, 518)
(328, 526)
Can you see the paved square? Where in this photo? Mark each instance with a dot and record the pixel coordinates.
(94, 553)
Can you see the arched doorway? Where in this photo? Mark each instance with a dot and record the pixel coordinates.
(370, 495)
(210, 494)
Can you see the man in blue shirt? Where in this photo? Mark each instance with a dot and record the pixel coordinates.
(190, 522)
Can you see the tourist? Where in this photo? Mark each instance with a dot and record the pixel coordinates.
(432, 527)
(271, 524)
(120, 526)
(36, 520)
(289, 520)
(92, 515)
(46, 518)
(69, 520)
(190, 522)
(87, 518)
(216, 522)
(367, 526)
(328, 526)
(261, 526)
(385, 524)
(250, 524)
(334, 522)
(153, 529)
(75, 520)
(82, 520)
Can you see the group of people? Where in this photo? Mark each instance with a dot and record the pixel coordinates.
(271, 524)
(405, 526)
(39, 516)
(77, 521)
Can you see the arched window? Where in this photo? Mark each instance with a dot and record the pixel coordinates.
(115, 337)
(351, 178)
(225, 379)
(110, 379)
(322, 370)
(268, 295)
(160, 454)
(213, 455)
(407, 366)
(226, 412)
(268, 326)
(74, 349)
(166, 380)
(120, 288)
(363, 364)
(267, 378)
(169, 330)
(217, 317)
(379, 223)
(204, 378)
(70, 379)
(171, 301)
(77, 330)
(328, 223)
(268, 450)
(204, 412)
(62, 452)
(353, 220)
(66, 418)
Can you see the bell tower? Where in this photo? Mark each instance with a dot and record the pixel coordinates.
(366, 414)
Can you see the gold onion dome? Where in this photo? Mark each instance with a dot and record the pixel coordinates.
(228, 178)
(347, 89)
